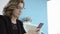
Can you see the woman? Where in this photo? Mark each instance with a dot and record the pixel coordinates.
(9, 23)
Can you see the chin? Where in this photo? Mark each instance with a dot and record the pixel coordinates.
(17, 16)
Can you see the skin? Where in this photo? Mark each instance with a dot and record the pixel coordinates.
(16, 13)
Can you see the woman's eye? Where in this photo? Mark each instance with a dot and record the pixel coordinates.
(19, 8)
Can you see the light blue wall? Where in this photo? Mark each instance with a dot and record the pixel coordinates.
(37, 10)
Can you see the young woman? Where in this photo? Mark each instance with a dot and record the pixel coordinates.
(9, 23)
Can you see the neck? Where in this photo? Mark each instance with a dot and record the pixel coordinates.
(13, 19)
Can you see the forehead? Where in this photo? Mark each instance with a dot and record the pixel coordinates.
(20, 5)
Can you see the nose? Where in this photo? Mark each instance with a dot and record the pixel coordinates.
(20, 11)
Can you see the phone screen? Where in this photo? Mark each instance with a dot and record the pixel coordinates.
(40, 25)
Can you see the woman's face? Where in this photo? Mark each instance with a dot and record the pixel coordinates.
(17, 11)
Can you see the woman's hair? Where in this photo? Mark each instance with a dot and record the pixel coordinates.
(12, 4)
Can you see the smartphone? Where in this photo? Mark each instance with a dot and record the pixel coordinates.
(40, 25)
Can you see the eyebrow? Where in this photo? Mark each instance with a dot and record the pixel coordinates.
(22, 1)
(19, 7)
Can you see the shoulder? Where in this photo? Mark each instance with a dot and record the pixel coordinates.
(1, 19)
(20, 22)
(4, 19)
(1, 16)
(2, 25)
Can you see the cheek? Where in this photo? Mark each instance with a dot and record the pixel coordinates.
(17, 12)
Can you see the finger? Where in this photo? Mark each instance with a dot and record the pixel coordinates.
(37, 29)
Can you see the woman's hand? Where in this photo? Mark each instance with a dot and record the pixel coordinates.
(36, 31)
